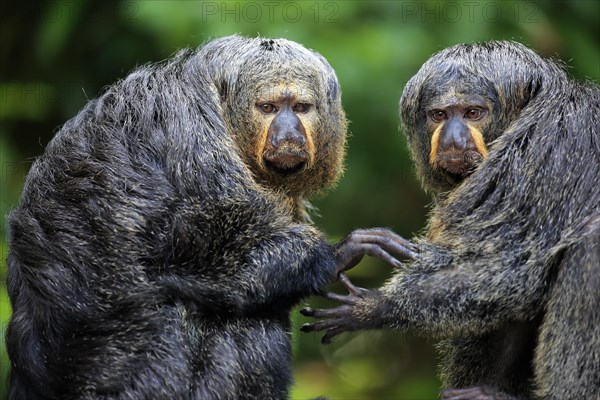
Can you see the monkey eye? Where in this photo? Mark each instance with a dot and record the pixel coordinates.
(301, 107)
(267, 108)
(474, 114)
(438, 116)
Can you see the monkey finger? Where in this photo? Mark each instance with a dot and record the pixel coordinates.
(393, 243)
(472, 393)
(339, 297)
(356, 291)
(376, 251)
(308, 312)
(336, 312)
(391, 235)
(319, 313)
(323, 325)
(398, 239)
(331, 333)
(383, 237)
(308, 327)
(404, 251)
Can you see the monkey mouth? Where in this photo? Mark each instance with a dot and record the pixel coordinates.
(458, 163)
(286, 162)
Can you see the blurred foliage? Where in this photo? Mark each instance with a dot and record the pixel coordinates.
(55, 55)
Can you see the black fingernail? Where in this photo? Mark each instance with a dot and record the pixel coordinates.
(306, 328)
(307, 311)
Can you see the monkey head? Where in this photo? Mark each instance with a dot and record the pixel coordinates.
(461, 101)
(456, 122)
(457, 118)
(281, 103)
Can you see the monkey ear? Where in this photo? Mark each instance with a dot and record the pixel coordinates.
(532, 88)
(333, 88)
(223, 89)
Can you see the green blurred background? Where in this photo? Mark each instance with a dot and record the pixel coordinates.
(55, 55)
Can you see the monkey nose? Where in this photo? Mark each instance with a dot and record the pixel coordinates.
(292, 137)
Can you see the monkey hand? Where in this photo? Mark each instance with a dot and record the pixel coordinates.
(342, 318)
(377, 242)
(474, 393)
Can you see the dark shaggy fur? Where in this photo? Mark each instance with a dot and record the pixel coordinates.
(146, 261)
(509, 273)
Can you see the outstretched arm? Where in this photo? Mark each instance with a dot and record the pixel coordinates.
(266, 260)
(307, 263)
(441, 293)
